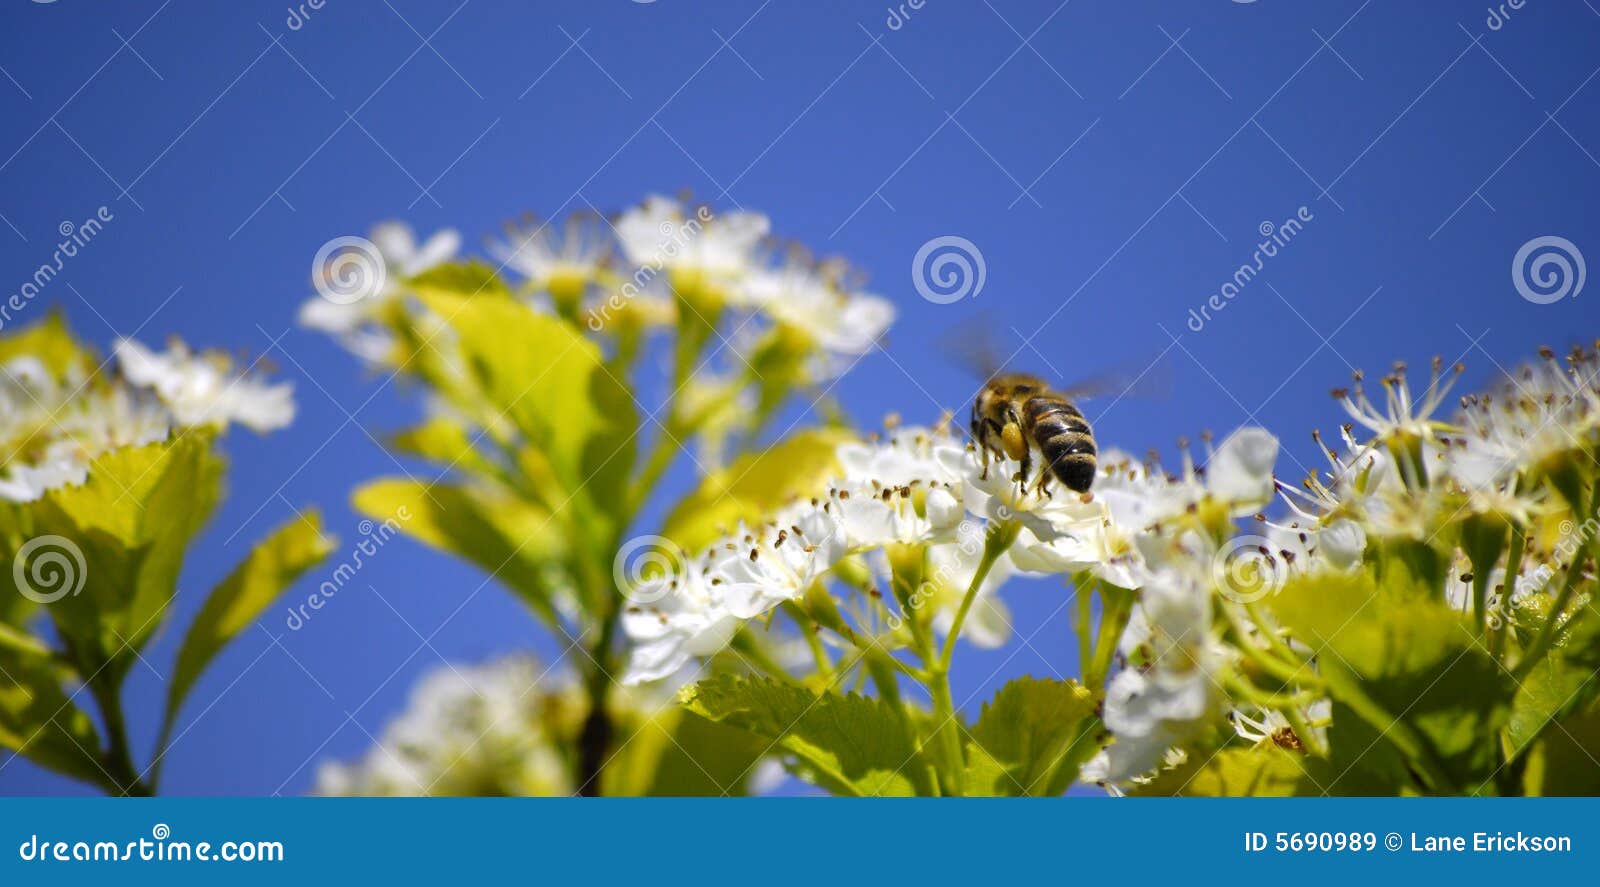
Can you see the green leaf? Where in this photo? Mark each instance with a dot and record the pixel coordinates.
(41, 723)
(506, 537)
(1032, 739)
(131, 521)
(460, 279)
(1415, 659)
(446, 442)
(848, 744)
(534, 369)
(755, 485)
(237, 602)
(1562, 761)
(1263, 772)
(675, 754)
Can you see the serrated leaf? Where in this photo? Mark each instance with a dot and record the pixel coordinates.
(131, 521)
(41, 723)
(848, 744)
(1031, 739)
(240, 598)
(504, 536)
(1415, 658)
(755, 485)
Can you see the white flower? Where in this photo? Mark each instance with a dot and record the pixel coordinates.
(1170, 692)
(1540, 414)
(471, 730)
(1263, 726)
(553, 258)
(722, 248)
(812, 300)
(202, 389)
(25, 483)
(356, 320)
(1403, 416)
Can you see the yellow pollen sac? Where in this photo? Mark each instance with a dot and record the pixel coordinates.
(1011, 439)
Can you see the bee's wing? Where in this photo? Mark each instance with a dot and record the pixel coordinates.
(975, 347)
(1150, 380)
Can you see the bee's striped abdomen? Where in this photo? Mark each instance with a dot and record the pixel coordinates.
(1064, 438)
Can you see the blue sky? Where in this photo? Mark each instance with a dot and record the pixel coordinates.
(1113, 163)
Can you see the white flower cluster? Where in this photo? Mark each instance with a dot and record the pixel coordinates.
(624, 267)
(53, 425)
(469, 730)
(920, 486)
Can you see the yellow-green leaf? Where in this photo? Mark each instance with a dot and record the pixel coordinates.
(1261, 772)
(41, 723)
(506, 537)
(1031, 739)
(848, 744)
(235, 603)
(51, 342)
(131, 522)
(755, 485)
(469, 278)
(1417, 660)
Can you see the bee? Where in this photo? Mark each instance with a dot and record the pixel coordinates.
(1016, 412)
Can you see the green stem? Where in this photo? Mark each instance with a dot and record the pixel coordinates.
(1519, 548)
(999, 538)
(1114, 611)
(118, 756)
(1547, 632)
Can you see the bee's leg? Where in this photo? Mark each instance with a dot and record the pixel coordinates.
(1043, 486)
(1027, 466)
